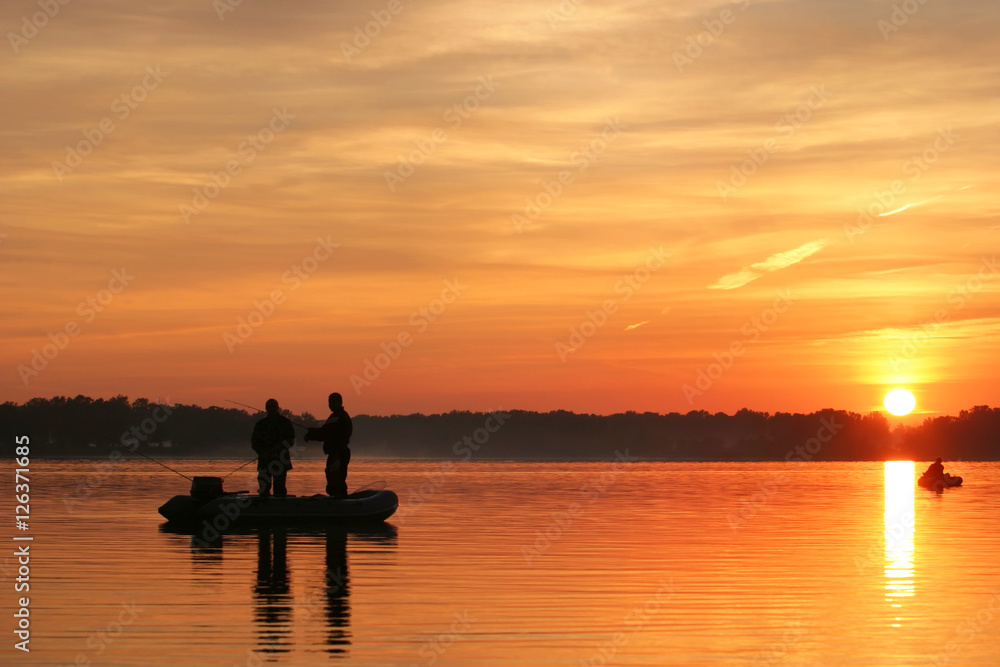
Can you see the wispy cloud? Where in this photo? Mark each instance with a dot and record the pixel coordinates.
(414, 88)
(969, 329)
(773, 263)
(911, 205)
(636, 325)
(898, 210)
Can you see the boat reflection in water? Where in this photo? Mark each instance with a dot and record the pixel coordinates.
(900, 522)
(325, 595)
(272, 601)
(337, 592)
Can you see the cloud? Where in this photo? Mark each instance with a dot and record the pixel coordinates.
(636, 325)
(906, 206)
(357, 119)
(897, 210)
(773, 263)
(734, 280)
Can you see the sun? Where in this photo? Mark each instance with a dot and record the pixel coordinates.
(899, 402)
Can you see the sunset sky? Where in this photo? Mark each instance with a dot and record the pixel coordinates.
(516, 170)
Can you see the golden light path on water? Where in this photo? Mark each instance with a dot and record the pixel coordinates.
(900, 521)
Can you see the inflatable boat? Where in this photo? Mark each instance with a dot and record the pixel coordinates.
(208, 502)
(939, 483)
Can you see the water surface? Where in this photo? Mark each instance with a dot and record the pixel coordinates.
(495, 563)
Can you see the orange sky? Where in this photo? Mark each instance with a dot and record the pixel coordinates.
(619, 121)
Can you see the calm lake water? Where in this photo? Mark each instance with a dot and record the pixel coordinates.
(525, 563)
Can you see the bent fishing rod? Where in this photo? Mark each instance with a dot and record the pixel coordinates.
(159, 463)
(380, 483)
(299, 424)
(371, 485)
(136, 451)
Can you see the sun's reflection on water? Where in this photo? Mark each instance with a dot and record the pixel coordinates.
(900, 522)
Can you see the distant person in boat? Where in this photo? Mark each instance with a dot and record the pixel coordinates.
(935, 470)
(272, 437)
(335, 435)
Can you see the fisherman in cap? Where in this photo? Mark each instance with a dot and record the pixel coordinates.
(335, 434)
(272, 437)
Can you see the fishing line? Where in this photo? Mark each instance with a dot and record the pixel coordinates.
(300, 424)
(380, 484)
(242, 466)
(136, 451)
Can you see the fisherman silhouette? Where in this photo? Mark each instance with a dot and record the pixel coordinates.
(335, 435)
(935, 470)
(272, 436)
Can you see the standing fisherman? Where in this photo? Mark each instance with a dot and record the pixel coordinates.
(272, 437)
(336, 435)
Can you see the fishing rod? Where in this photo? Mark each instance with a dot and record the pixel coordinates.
(242, 466)
(159, 463)
(378, 485)
(136, 451)
(299, 424)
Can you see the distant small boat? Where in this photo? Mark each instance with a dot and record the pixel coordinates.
(208, 502)
(938, 483)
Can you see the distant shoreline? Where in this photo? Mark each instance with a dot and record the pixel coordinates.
(86, 428)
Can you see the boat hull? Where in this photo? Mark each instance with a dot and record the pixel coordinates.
(367, 506)
(940, 483)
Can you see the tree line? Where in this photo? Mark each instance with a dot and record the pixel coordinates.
(87, 427)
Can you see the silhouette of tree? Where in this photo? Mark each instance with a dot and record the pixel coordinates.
(82, 426)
